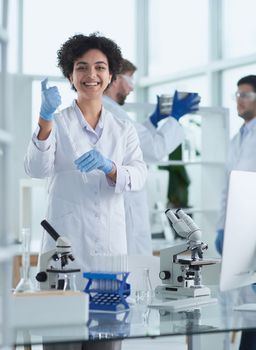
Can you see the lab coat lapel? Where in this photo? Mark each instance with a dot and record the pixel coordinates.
(103, 144)
(238, 147)
(249, 142)
(78, 138)
(244, 153)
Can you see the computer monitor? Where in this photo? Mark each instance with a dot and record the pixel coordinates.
(239, 251)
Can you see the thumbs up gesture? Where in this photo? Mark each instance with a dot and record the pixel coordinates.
(50, 100)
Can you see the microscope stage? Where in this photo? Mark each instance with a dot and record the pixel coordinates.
(189, 261)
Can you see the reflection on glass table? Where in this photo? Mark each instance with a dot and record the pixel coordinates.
(142, 322)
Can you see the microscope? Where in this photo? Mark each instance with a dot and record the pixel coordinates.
(52, 277)
(181, 264)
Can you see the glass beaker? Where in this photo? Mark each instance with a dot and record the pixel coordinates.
(165, 101)
(66, 281)
(72, 282)
(25, 284)
(144, 292)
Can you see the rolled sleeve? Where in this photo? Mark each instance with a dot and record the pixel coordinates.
(42, 145)
(131, 175)
(123, 180)
(40, 157)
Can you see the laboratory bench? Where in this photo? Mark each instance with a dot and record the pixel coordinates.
(142, 321)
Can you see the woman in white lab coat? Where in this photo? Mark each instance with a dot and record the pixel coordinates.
(90, 156)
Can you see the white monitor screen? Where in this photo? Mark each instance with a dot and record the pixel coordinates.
(239, 251)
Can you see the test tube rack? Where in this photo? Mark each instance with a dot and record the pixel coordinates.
(107, 291)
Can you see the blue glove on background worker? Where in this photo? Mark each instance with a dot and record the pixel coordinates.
(94, 160)
(219, 241)
(180, 107)
(51, 100)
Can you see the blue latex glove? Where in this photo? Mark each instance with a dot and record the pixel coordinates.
(188, 104)
(94, 160)
(50, 100)
(254, 287)
(157, 116)
(219, 241)
(180, 107)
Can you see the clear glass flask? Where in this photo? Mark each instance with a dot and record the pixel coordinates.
(25, 284)
(144, 294)
(165, 104)
(66, 282)
(72, 282)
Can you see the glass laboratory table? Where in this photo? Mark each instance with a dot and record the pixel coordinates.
(144, 322)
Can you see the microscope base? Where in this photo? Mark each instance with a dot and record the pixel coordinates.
(169, 291)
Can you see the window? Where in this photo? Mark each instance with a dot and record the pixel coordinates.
(198, 84)
(1, 97)
(1, 13)
(47, 24)
(12, 64)
(1, 57)
(178, 35)
(239, 27)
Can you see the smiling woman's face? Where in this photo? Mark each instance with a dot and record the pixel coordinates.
(91, 74)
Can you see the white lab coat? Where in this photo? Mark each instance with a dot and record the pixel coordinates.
(156, 143)
(90, 214)
(241, 156)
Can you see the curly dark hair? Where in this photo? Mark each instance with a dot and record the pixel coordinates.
(77, 45)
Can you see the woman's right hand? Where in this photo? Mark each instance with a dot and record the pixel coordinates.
(51, 100)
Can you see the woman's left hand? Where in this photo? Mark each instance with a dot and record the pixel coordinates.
(94, 160)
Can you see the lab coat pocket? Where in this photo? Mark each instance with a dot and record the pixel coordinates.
(65, 217)
(59, 208)
(61, 216)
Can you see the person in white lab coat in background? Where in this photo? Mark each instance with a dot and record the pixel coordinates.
(241, 156)
(156, 142)
(242, 148)
(90, 156)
